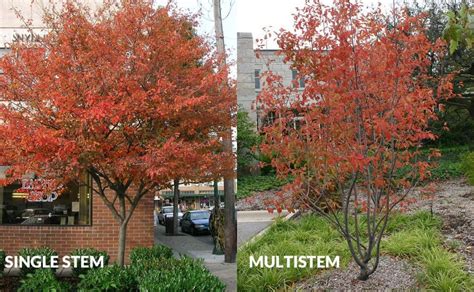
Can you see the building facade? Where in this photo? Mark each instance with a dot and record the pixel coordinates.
(251, 66)
(191, 197)
(73, 217)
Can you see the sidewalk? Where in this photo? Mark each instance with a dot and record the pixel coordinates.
(200, 247)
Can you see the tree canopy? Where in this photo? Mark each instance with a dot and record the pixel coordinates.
(127, 93)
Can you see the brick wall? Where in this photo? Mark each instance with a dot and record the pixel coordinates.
(103, 234)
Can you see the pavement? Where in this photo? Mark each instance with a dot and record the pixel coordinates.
(249, 224)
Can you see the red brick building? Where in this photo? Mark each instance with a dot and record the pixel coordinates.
(101, 233)
(74, 219)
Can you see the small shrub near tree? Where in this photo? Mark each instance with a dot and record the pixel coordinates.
(183, 274)
(42, 280)
(140, 254)
(88, 252)
(41, 251)
(111, 278)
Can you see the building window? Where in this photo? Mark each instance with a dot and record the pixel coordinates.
(297, 81)
(257, 79)
(25, 203)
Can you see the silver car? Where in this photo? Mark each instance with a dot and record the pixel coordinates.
(167, 212)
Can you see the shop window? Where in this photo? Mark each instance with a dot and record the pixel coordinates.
(26, 203)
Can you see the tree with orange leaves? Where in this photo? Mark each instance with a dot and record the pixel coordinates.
(356, 128)
(128, 94)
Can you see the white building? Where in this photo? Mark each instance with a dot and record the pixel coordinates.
(249, 70)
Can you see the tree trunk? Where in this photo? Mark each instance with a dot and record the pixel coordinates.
(364, 274)
(216, 223)
(122, 241)
(175, 206)
(230, 248)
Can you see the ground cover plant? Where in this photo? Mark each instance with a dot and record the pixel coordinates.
(416, 237)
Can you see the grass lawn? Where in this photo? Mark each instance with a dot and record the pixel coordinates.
(416, 237)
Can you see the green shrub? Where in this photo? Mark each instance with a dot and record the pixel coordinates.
(247, 185)
(139, 254)
(449, 165)
(468, 167)
(88, 252)
(176, 275)
(42, 280)
(111, 278)
(2, 261)
(41, 251)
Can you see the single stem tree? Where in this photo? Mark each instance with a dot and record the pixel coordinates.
(351, 137)
(118, 93)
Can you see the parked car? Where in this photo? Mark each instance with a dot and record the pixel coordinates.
(167, 212)
(195, 222)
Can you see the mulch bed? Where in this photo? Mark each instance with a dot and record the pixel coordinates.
(12, 283)
(9, 284)
(392, 273)
(454, 202)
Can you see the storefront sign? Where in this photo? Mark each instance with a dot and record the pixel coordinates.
(38, 190)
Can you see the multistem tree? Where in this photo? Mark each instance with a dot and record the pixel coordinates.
(351, 137)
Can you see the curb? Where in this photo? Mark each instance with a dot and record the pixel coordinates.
(290, 216)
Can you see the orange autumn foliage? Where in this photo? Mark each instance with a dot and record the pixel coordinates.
(356, 127)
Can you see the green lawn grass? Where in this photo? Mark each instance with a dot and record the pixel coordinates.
(415, 237)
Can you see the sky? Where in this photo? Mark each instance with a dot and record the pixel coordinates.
(249, 16)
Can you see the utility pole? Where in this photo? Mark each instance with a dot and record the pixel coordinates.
(175, 206)
(230, 225)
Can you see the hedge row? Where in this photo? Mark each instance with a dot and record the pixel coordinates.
(151, 269)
